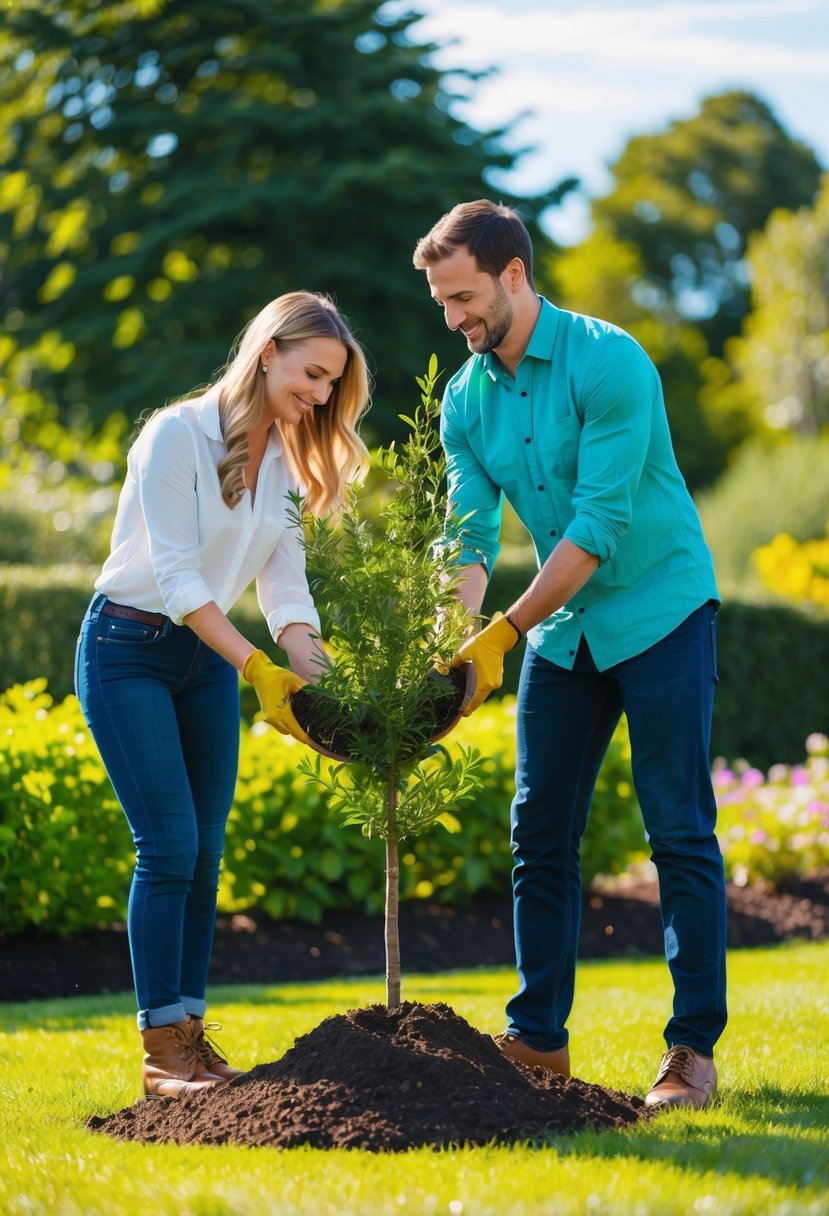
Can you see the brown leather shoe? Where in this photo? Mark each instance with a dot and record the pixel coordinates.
(685, 1078)
(212, 1061)
(172, 1066)
(554, 1061)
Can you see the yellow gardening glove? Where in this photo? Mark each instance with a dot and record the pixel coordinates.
(274, 686)
(486, 652)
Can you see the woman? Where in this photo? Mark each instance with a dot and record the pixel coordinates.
(203, 511)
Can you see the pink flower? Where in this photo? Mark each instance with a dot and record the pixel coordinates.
(722, 777)
(752, 778)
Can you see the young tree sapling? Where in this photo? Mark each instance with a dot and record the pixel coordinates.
(394, 622)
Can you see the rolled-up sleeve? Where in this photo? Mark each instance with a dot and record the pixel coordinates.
(282, 588)
(620, 393)
(165, 469)
(475, 502)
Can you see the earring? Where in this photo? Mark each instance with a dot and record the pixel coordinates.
(264, 370)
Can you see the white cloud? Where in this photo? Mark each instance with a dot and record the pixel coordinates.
(670, 37)
(592, 75)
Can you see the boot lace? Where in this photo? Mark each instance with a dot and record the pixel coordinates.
(680, 1060)
(204, 1046)
(185, 1047)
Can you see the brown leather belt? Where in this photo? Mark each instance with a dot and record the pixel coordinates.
(157, 619)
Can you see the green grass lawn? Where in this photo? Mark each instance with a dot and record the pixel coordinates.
(761, 1149)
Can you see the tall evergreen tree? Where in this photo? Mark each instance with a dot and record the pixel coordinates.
(170, 166)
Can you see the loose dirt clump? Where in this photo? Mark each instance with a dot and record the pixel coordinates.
(383, 1080)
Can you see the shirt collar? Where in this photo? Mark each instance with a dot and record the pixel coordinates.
(540, 346)
(207, 414)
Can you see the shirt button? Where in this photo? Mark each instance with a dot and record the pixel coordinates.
(581, 610)
(552, 532)
(541, 487)
(524, 393)
(528, 440)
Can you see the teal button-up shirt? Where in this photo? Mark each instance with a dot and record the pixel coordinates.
(578, 442)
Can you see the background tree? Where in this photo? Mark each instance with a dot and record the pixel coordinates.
(600, 276)
(666, 257)
(689, 197)
(775, 375)
(169, 166)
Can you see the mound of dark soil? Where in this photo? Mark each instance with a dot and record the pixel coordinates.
(383, 1080)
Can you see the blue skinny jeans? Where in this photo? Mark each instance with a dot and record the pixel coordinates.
(565, 723)
(163, 709)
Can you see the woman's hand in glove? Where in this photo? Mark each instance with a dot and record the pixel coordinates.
(274, 688)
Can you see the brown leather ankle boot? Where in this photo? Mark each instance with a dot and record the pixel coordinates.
(173, 1067)
(208, 1052)
(557, 1061)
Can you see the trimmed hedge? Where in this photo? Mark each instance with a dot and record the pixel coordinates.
(42, 608)
(773, 692)
(66, 853)
(774, 683)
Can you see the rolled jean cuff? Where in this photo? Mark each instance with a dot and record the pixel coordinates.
(149, 1018)
(195, 1006)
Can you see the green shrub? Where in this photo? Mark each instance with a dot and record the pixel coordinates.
(66, 852)
(766, 491)
(57, 523)
(65, 849)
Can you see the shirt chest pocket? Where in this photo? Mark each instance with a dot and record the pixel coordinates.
(558, 448)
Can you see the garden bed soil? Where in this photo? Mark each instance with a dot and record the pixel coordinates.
(382, 1080)
(622, 920)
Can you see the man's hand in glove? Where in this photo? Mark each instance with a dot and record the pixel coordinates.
(274, 686)
(486, 652)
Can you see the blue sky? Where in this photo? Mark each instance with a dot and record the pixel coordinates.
(591, 73)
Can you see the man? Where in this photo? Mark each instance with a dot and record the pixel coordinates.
(563, 414)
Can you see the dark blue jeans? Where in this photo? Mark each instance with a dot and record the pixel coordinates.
(163, 709)
(565, 722)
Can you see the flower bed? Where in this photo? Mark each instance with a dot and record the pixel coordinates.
(776, 825)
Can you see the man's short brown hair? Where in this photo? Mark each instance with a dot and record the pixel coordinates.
(493, 233)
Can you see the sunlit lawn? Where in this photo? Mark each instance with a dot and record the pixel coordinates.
(761, 1149)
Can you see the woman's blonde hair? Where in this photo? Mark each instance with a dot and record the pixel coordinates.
(324, 449)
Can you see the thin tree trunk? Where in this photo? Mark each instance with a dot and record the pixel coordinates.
(392, 897)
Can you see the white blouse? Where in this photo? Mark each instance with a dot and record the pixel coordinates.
(176, 545)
